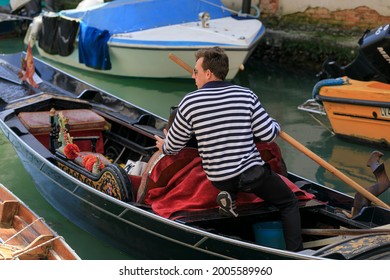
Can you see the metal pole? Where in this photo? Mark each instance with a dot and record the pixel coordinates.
(246, 6)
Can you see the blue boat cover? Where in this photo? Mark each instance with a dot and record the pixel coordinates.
(93, 48)
(122, 16)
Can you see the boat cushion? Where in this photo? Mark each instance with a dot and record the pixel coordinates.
(79, 119)
(82, 122)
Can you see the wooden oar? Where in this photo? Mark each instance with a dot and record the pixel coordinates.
(181, 63)
(308, 153)
(333, 170)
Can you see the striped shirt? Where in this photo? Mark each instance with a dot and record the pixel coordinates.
(224, 119)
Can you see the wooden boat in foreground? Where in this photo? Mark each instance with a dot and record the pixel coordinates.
(356, 110)
(26, 236)
(169, 210)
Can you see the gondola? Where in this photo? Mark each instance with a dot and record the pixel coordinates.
(92, 156)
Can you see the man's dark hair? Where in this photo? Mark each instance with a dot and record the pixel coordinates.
(214, 59)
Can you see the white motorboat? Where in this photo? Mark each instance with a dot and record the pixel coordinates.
(135, 37)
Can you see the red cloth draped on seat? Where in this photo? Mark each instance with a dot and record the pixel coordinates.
(190, 190)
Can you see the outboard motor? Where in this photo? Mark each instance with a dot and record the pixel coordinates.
(372, 62)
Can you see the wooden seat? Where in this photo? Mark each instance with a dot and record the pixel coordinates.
(8, 209)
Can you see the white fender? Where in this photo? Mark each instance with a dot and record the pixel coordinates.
(32, 31)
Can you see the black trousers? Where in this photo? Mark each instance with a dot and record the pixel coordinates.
(268, 185)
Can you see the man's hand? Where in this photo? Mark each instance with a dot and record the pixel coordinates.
(160, 141)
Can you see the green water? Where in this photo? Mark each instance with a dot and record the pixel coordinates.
(280, 90)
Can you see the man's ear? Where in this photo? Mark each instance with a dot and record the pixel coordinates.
(209, 74)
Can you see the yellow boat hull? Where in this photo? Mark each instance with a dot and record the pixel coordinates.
(359, 110)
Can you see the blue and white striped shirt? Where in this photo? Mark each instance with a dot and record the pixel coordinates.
(224, 119)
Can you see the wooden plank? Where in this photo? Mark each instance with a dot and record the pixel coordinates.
(324, 242)
(345, 231)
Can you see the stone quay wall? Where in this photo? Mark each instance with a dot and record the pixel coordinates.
(307, 32)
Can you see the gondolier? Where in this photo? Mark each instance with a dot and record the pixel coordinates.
(224, 118)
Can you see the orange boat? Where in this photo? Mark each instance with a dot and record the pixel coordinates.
(26, 236)
(357, 107)
(357, 110)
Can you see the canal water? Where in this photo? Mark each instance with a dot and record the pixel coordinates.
(280, 89)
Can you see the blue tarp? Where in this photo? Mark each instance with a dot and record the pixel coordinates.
(93, 48)
(133, 15)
